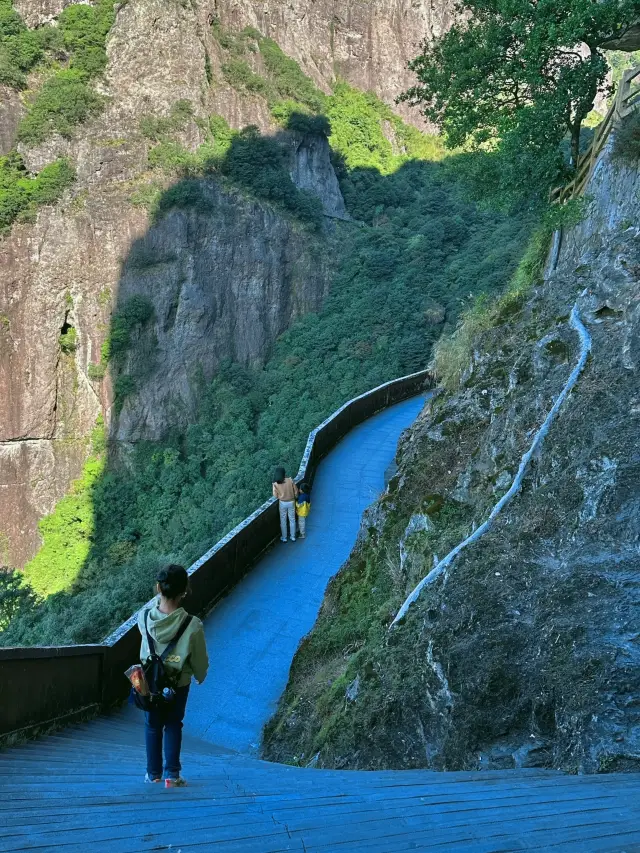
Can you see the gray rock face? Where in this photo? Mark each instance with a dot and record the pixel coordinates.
(226, 284)
(11, 111)
(35, 13)
(312, 170)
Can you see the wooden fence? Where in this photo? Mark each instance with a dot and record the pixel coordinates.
(626, 100)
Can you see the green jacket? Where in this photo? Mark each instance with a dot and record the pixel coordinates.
(189, 656)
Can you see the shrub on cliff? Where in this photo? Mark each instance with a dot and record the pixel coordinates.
(21, 193)
(20, 48)
(65, 100)
(84, 30)
(79, 39)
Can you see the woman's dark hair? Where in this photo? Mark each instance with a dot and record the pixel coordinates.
(173, 581)
(279, 474)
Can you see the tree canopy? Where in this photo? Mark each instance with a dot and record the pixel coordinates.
(519, 73)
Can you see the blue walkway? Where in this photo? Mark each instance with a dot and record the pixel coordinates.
(253, 633)
(81, 789)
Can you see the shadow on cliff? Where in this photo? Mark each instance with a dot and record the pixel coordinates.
(416, 252)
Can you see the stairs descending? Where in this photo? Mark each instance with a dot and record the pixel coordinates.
(81, 789)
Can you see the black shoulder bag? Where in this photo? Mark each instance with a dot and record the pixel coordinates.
(161, 685)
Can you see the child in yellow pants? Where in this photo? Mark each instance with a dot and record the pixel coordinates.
(303, 505)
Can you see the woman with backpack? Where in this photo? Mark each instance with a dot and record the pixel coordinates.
(167, 627)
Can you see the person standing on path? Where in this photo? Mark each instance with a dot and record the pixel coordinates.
(285, 490)
(189, 657)
(303, 507)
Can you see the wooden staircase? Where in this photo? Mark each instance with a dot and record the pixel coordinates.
(81, 789)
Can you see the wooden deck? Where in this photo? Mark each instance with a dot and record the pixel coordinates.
(81, 789)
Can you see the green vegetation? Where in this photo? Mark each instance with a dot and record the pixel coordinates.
(66, 98)
(619, 62)
(64, 101)
(453, 353)
(245, 159)
(84, 31)
(283, 79)
(21, 194)
(17, 599)
(69, 530)
(509, 73)
(68, 340)
(135, 312)
(158, 128)
(21, 48)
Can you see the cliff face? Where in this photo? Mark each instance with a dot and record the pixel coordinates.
(366, 43)
(223, 285)
(525, 653)
(231, 281)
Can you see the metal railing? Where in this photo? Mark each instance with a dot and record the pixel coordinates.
(626, 100)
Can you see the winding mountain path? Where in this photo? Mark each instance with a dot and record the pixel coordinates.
(81, 789)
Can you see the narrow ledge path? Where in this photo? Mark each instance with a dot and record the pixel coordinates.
(81, 789)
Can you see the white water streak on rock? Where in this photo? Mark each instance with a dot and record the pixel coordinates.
(439, 674)
(585, 347)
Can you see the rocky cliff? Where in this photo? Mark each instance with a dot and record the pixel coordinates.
(525, 653)
(238, 277)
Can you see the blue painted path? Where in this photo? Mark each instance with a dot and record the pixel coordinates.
(81, 789)
(253, 633)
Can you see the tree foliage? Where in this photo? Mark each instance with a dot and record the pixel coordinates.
(16, 597)
(521, 72)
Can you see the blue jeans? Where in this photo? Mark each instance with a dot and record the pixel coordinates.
(168, 721)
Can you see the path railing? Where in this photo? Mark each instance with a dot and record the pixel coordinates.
(43, 686)
(626, 100)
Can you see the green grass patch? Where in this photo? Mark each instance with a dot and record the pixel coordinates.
(68, 532)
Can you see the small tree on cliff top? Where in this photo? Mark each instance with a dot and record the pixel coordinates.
(523, 73)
